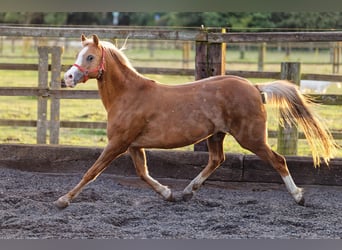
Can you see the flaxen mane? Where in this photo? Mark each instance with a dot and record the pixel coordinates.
(117, 53)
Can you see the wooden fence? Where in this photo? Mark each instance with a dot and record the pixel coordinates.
(209, 61)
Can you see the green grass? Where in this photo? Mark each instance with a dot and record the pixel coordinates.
(25, 108)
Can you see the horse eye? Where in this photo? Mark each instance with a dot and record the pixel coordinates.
(90, 58)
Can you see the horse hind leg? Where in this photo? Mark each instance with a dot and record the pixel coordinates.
(216, 157)
(277, 161)
(139, 160)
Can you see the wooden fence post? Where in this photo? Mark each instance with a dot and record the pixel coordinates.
(336, 57)
(56, 54)
(261, 56)
(288, 133)
(43, 69)
(210, 60)
(186, 53)
(1, 45)
(43, 83)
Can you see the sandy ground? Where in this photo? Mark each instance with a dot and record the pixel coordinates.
(114, 207)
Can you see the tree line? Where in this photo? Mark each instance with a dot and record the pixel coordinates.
(238, 21)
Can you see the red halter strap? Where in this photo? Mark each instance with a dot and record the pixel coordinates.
(98, 69)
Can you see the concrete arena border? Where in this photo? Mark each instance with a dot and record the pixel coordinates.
(166, 164)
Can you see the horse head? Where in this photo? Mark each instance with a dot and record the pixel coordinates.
(89, 63)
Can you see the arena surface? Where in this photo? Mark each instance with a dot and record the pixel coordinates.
(114, 207)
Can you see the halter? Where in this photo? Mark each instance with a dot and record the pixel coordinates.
(99, 69)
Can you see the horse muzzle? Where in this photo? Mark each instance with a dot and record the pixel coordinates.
(72, 77)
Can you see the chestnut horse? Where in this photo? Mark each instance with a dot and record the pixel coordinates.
(143, 113)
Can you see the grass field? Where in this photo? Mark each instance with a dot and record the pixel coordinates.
(25, 108)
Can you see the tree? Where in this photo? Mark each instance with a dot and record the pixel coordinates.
(13, 17)
(55, 18)
(137, 18)
(237, 21)
(89, 18)
(307, 20)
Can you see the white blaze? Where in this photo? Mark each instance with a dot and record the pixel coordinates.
(71, 72)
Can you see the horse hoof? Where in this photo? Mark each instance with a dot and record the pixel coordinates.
(299, 197)
(187, 196)
(171, 198)
(61, 203)
(301, 202)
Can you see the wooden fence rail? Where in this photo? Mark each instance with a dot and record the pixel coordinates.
(207, 44)
(46, 92)
(189, 72)
(203, 35)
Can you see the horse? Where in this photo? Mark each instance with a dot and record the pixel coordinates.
(143, 113)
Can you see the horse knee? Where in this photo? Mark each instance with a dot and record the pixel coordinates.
(217, 159)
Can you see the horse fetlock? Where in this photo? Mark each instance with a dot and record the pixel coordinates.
(166, 193)
(196, 186)
(170, 198)
(296, 192)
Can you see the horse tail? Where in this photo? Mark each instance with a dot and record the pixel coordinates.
(293, 106)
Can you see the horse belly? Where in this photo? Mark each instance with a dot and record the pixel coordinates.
(172, 132)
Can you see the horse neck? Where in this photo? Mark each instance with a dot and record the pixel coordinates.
(116, 81)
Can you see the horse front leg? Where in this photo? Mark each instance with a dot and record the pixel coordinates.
(109, 153)
(139, 160)
(216, 157)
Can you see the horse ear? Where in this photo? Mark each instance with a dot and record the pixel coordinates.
(83, 39)
(96, 40)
